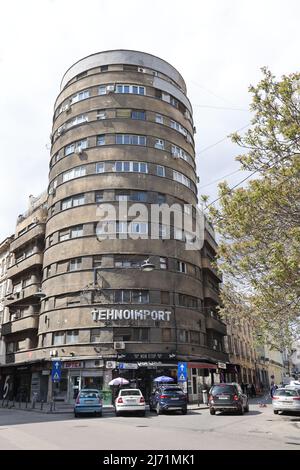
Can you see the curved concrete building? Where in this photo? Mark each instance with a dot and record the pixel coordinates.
(123, 131)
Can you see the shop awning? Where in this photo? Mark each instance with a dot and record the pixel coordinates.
(201, 365)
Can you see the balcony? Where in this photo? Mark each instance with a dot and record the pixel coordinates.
(210, 293)
(26, 323)
(217, 325)
(210, 240)
(207, 264)
(26, 263)
(33, 233)
(25, 293)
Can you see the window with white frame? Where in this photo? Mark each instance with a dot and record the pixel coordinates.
(78, 120)
(159, 119)
(77, 231)
(101, 139)
(73, 201)
(101, 114)
(177, 176)
(159, 144)
(100, 167)
(58, 338)
(165, 97)
(160, 170)
(74, 173)
(127, 139)
(82, 95)
(102, 90)
(75, 264)
(163, 263)
(178, 127)
(137, 167)
(134, 89)
(181, 266)
(69, 149)
(71, 336)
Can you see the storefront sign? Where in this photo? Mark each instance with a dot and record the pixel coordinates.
(116, 314)
(73, 365)
(146, 356)
(127, 365)
(150, 365)
(111, 364)
(221, 365)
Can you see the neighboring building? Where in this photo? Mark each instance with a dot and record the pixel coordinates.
(122, 131)
(4, 262)
(295, 360)
(242, 353)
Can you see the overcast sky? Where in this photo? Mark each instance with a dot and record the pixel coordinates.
(218, 46)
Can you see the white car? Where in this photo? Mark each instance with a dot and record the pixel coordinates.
(286, 399)
(130, 399)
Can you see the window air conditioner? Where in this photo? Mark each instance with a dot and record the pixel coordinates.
(110, 88)
(141, 69)
(79, 151)
(194, 129)
(67, 107)
(51, 191)
(13, 317)
(119, 345)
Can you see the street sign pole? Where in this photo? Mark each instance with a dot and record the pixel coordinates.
(182, 374)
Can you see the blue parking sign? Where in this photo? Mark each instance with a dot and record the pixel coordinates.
(56, 371)
(182, 372)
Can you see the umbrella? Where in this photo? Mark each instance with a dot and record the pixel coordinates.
(119, 381)
(163, 379)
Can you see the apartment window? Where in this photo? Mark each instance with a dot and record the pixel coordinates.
(159, 144)
(99, 196)
(159, 119)
(64, 235)
(17, 288)
(81, 144)
(73, 201)
(120, 262)
(77, 231)
(95, 335)
(140, 296)
(136, 90)
(124, 113)
(195, 337)
(82, 95)
(187, 301)
(139, 167)
(97, 261)
(58, 338)
(138, 228)
(122, 196)
(101, 140)
(140, 334)
(183, 336)
(126, 139)
(163, 263)
(100, 167)
(166, 335)
(102, 90)
(181, 178)
(78, 120)
(138, 196)
(72, 336)
(27, 281)
(181, 267)
(122, 296)
(74, 173)
(104, 68)
(101, 114)
(81, 75)
(75, 264)
(140, 115)
(69, 149)
(165, 97)
(160, 170)
(161, 198)
(173, 102)
(165, 297)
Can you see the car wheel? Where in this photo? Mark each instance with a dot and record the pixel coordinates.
(275, 412)
(212, 412)
(75, 415)
(158, 410)
(247, 408)
(117, 413)
(184, 411)
(241, 410)
(100, 414)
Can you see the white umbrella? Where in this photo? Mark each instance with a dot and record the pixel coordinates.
(119, 381)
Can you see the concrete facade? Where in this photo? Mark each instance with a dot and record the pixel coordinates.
(122, 131)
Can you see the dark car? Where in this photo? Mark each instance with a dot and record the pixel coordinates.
(227, 397)
(167, 398)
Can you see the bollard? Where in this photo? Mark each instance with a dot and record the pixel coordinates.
(26, 403)
(42, 404)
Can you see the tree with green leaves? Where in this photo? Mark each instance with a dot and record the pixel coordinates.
(259, 223)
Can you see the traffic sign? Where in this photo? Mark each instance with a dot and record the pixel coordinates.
(182, 372)
(56, 371)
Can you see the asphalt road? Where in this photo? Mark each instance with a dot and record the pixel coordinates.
(259, 429)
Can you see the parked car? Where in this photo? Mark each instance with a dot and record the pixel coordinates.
(88, 401)
(227, 397)
(168, 397)
(286, 399)
(130, 400)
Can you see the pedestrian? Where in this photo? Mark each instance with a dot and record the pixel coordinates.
(273, 389)
(243, 387)
(253, 391)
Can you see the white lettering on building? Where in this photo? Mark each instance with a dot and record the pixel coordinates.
(116, 314)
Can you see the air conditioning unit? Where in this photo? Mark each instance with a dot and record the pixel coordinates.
(53, 353)
(111, 364)
(194, 129)
(13, 317)
(79, 151)
(67, 107)
(51, 191)
(110, 88)
(141, 69)
(119, 345)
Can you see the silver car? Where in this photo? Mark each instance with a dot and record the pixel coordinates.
(286, 399)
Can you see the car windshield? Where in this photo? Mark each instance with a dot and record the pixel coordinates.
(223, 389)
(287, 393)
(89, 394)
(173, 389)
(127, 393)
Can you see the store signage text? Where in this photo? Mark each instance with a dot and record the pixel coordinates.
(115, 314)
